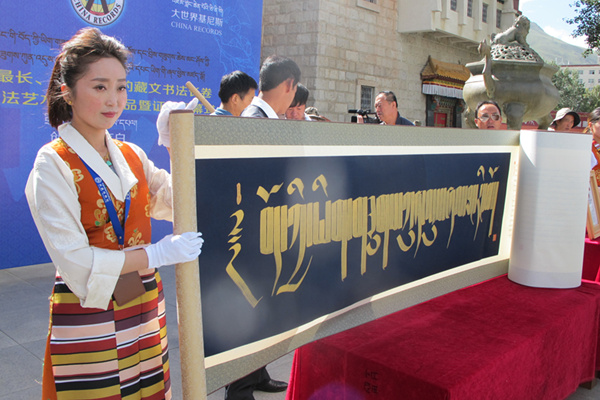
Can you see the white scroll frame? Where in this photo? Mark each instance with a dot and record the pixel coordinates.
(191, 343)
(217, 137)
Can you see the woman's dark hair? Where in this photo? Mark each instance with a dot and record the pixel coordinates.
(86, 47)
(301, 96)
(592, 117)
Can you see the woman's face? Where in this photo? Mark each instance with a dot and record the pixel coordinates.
(595, 128)
(565, 124)
(99, 96)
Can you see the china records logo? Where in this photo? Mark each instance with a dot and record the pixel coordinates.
(98, 12)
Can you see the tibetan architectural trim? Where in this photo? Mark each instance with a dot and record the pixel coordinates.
(444, 79)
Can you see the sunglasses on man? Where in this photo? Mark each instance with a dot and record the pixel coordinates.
(485, 117)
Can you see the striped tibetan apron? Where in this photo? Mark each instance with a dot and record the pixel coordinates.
(121, 352)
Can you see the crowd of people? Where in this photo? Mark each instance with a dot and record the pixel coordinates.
(237, 98)
(92, 198)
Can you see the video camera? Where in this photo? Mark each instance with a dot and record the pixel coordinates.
(365, 114)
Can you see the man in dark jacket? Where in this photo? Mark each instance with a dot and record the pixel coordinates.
(386, 107)
(278, 80)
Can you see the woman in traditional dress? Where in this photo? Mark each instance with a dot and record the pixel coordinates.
(594, 128)
(92, 198)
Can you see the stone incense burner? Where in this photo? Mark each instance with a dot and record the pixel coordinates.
(515, 76)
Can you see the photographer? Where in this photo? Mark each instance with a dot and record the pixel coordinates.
(386, 107)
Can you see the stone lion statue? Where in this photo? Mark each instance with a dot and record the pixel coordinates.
(516, 33)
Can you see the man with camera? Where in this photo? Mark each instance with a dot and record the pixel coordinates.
(386, 107)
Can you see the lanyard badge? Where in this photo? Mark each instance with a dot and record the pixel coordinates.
(110, 207)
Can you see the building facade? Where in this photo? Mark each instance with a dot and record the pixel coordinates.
(349, 50)
(589, 74)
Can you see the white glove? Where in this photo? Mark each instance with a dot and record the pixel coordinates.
(162, 122)
(174, 249)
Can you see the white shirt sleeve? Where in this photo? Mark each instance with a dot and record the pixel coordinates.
(90, 272)
(159, 185)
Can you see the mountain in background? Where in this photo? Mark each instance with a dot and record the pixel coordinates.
(555, 50)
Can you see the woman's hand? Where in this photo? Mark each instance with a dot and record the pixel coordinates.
(162, 122)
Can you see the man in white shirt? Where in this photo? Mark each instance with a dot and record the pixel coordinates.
(277, 84)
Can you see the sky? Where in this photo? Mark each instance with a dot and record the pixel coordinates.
(550, 15)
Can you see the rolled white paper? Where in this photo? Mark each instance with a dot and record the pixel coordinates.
(551, 209)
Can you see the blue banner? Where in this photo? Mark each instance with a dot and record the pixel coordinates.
(171, 41)
(290, 239)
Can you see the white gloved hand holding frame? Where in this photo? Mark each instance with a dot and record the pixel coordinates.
(162, 122)
(175, 249)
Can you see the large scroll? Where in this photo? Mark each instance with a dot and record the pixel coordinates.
(313, 228)
(550, 220)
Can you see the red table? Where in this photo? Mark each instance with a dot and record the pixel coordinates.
(495, 340)
(591, 260)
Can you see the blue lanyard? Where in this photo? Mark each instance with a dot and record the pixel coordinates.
(110, 207)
